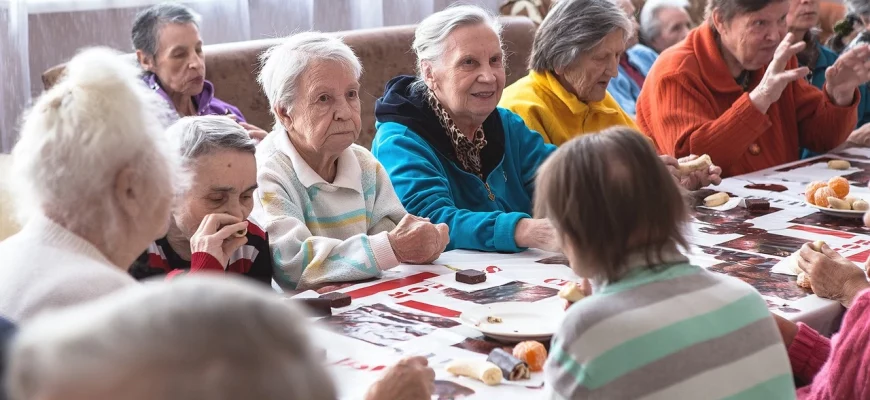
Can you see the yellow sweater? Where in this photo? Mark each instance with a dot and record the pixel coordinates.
(557, 114)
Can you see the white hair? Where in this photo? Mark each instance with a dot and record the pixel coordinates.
(432, 33)
(99, 119)
(201, 135)
(284, 64)
(195, 338)
(650, 25)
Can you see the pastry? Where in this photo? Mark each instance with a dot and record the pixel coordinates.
(337, 299)
(803, 280)
(699, 164)
(470, 276)
(839, 164)
(512, 368)
(860, 205)
(838, 204)
(571, 292)
(532, 353)
(483, 371)
(242, 233)
(716, 200)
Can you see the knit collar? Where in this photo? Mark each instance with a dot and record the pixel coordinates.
(59, 237)
(714, 70)
(550, 83)
(348, 173)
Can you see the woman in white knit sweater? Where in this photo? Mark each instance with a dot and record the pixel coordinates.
(93, 178)
(328, 205)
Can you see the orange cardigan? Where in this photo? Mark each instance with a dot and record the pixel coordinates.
(690, 104)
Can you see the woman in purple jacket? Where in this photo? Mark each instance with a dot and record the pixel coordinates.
(169, 50)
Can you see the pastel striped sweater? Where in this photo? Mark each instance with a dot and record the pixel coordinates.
(677, 333)
(322, 232)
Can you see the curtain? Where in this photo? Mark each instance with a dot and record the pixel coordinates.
(38, 34)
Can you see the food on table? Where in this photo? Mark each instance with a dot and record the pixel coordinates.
(512, 368)
(803, 280)
(839, 164)
(716, 200)
(822, 196)
(533, 353)
(756, 204)
(840, 186)
(699, 164)
(470, 276)
(483, 371)
(850, 199)
(317, 306)
(817, 245)
(572, 292)
(860, 205)
(838, 204)
(337, 299)
(492, 319)
(242, 233)
(810, 191)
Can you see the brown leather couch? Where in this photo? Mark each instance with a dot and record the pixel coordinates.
(383, 52)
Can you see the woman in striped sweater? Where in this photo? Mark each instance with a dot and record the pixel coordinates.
(657, 326)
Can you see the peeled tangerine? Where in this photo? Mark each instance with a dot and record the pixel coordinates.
(533, 353)
(811, 189)
(822, 195)
(840, 186)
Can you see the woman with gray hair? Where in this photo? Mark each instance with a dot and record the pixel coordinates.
(209, 229)
(327, 203)
(93, 178)
(664, 23)
(169, 49)
(452, 155)
(197, 338)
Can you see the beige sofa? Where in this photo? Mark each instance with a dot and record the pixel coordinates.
(384, 53)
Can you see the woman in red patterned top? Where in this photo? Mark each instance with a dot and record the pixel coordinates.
(209, 229)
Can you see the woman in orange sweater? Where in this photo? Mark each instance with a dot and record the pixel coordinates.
(716, 94)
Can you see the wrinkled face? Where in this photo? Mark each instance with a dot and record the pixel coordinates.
(178, 64)
(469, 77)
(675, 26)
(588, 76)
(325, 117)
(628, 8)
(223, 182)
(752, 38)
(803, 14)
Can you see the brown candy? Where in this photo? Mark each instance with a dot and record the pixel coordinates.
(471, 276)
(337, 299)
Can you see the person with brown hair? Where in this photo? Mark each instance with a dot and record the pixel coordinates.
(656, 325)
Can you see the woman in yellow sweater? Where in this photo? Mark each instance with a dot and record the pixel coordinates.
(574, 55)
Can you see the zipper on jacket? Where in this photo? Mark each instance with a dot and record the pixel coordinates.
(488, 189)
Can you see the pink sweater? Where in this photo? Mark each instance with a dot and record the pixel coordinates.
(838, 368)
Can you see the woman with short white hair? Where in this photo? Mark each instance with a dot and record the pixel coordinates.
(197, 338)
(94, 179)
(328, 205)
(664, 23)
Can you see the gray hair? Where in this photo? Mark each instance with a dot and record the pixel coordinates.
(432, 33)
(650, 24)
(200, 135)
(99, 119)
(285, 63)
(197, 338)
(148, 22)
(860, 7)
(572, 28)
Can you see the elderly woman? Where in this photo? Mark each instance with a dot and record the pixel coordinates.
(196, 338)
(452, 155)
(169, 50)
(733, 90)
(209, 229)
(664, 23)
(657, 327)
(95, 179)
(328, 205)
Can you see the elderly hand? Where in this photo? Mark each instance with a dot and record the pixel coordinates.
(850, 71)
(697, 179)
(860, 136)
(417, 241)
(831, 275)
(253, 131)
(410, 379)
(776, 77)
(536, 233)
(215, 236)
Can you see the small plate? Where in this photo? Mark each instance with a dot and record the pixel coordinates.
(519, 321)
(839, 213)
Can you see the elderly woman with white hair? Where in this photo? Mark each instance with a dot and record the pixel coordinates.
(176, 346)
(664, 23)
(327, 203)
(452, 155)
(94, 179)
(209, 229)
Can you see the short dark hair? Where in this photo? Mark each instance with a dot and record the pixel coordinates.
(611, 196)
(728, 9)
(148, 22)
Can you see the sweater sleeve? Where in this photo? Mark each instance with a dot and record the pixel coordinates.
(845, 373)
(302, 260)
(808, 352)
(388, 210)
(822, 125)
(421, 183)
(683, 121)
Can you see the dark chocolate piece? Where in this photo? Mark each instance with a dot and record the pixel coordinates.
(316, 306)
(470, 276)
(757, 204)
(512, 368)
(337, 299)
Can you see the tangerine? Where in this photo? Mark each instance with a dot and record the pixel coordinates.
(810, 191)
(533, 353)
(840, 186)
(822, 195)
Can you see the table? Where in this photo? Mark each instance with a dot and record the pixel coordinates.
(408, 312)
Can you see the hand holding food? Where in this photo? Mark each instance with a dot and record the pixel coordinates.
(829, 274)
(410, 378)
(483, 371)
(217, 236)
(571, 292)
(698, 164)
(693, 172)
